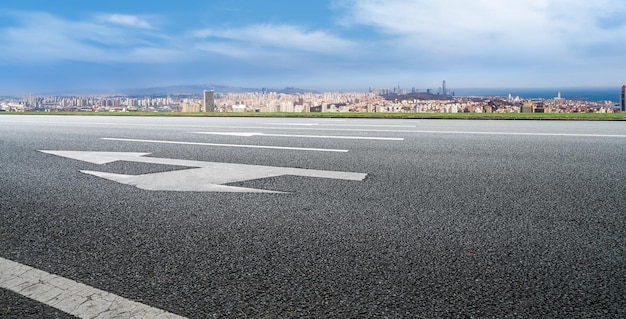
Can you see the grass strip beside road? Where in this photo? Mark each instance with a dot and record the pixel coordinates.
(464, 116)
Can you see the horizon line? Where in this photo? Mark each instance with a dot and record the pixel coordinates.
(63, 92)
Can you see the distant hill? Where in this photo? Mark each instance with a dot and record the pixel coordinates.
(196, 89)
(189, 89)
(290, 90)
(416, 96)
(184, 89)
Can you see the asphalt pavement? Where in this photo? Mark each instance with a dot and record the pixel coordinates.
(455, 218)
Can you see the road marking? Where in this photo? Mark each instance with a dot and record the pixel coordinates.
(227, 145)
(294, 124)
(419, 131)
(103, 124)
(522, 133)
(246, 134)
(70, 296)
(323, 129)
(202, 177)
(353, 125)
(307, 129)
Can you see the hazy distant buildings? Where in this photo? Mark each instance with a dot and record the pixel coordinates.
(622, 99)
(558, 96)
(444, 89)
(209, 101)
(527, 107)
(190, 106)
(373, 101)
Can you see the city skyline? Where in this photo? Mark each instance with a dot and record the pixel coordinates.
(325, 45)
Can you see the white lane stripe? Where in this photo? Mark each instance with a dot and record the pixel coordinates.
(202, 126)
(323, 129)
(295, 124)
(245, 134)
(100, 123)
(351, 125)
(70, 296)
(418, 131)
(429, 132)
(227, 145)
(522, 133)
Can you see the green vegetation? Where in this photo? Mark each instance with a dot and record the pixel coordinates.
(473, 116)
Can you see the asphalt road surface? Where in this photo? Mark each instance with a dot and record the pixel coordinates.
(453, 219)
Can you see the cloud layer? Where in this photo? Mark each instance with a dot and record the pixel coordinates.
(544, 31)
(481, 42)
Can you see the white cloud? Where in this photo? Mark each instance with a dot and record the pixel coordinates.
(280, 36)
(493, 31)
(41, 37)
(127, 20)
(374, 41)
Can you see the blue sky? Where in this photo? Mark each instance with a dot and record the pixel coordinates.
(313, 44)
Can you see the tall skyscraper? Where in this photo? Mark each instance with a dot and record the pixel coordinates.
(209, 101)
(444, 89)
(622, 99)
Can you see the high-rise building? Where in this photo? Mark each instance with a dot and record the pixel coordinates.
(622, 99)
(209, 101)
(444, 89)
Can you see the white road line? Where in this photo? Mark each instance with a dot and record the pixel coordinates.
(70, 296)
(308, 129)
(352, 125)
(103, 123)
(522, 133)
(294, 124)
(419, 131)
(324, 129)
(227, 145)
(246, 134)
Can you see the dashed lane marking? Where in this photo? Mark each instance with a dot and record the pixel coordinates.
(322, 129)
(227, 145)
(420, 131)
(341, 124)
(246, 134)
(72, 297)
(522, 133)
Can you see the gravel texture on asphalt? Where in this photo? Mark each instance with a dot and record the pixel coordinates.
(444, 226)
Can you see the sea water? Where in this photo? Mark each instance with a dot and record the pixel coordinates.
(585, 94)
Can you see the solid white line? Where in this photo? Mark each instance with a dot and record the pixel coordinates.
(245, 134)
(70, 296)
(227, 145)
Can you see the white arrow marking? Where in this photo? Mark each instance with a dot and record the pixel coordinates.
(227, 145)
(203, 177)
(245, 134)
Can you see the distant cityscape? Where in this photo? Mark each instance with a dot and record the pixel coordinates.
(397, 99)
